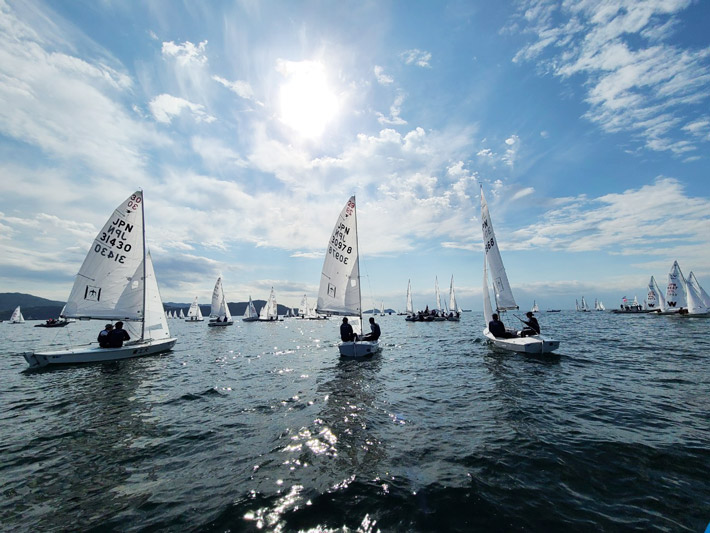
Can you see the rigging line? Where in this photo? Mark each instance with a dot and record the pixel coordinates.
(369, 285)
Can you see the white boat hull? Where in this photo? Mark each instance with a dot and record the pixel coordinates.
(534, 344)
(94, 353)
(358, 348)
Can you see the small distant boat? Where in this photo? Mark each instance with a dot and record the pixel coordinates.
(598, 305)
(583, 307)
(270, 313)
(552, 310)
(631, 308)
(411, 317)
(182, 314)
(533, 344)
(339, 292)
(194, 314)
(250, 314)
(17, 317)
(219, 313)
(382, 309)
(534, 308)
(116, 282)
(52, 323)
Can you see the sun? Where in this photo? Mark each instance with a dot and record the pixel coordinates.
(307, 102)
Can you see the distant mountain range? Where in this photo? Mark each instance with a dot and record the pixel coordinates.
(33, 307)
(36, 308)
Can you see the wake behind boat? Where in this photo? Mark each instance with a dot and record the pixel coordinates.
(532, 344)
(116, 282)
(339, 292)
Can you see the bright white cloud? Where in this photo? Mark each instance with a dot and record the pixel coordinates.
(186, 53)
(241, 88)
(394, 118)
(165, 107)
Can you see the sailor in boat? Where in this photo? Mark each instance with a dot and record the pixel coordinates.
(532, 327)
(103, 336)
(374, 331)
(346, 331)
(497, 328)
(117, 336)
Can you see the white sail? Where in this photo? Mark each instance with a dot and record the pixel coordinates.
(113, 258)
(534, 308)
(219, 308)
(382, 309)
(194, 313)
(250, 311)
(653, 301)
(155, 326)
(695, 301)
(704, 297)
(17, 317)
(270, 309)
(339, 292)
(487, 309)
(675, 292)
(503, 293)
(410, 307)
(576, 305)
(182, 314)
(584, 306)
(453, 306)
(601, 306)
(303, 308)
(438, 294)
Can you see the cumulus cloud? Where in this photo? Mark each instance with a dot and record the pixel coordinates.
(165, 107)
(635, 80)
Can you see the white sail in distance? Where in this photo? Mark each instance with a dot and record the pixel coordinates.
(704, 297)
(194, 312)
(501, 286)
(219, 308)
(410, 307)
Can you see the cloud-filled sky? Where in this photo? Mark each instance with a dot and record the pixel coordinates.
(249, 124)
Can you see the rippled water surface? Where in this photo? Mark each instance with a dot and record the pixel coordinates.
(263, 426)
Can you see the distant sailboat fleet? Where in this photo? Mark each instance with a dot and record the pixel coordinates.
(117, 283)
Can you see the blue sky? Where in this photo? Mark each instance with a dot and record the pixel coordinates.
(249, 124)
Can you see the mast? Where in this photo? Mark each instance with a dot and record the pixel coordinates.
(144, 277)
(357, 261)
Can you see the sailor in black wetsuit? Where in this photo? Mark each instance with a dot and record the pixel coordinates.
(375, 331)
(346, 331)
(533, 327)
(497, 328)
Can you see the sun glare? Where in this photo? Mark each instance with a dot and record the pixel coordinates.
(307, 102)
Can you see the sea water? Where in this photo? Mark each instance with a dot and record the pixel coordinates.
(262, 426)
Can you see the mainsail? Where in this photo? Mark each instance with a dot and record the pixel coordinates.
(250, 311)
(339, 292)
(453, 306)
(219, 309)
(704, 297)
(17, 317)
(106, 279)
(675, 292)
(503, 292)
(194, 312)
(270, 309)
(410, 307)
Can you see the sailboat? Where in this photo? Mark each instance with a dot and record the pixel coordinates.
(194, 314)
(440, 314)
(698, 301)
(411, 317)
(534, 344)
(534, 308)
(655, 302)
(269, 313)
(675, 291)
(250, 314)
(182, 314)
(382, 309)
(116, 282)
(219, 312)
(17, 317)
(339, 292)
(454, 311)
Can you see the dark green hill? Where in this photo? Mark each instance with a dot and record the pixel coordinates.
(33, 307)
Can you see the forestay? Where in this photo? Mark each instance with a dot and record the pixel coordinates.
(503, 292)
(339, 292)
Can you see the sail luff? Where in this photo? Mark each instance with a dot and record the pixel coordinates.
(410, 306)
(487, 309)
(704, 297)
